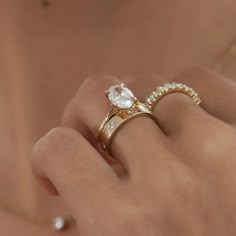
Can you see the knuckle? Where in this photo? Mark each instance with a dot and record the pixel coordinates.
(51, 144)
(92, 90)
(193, 75)
(198, 70)
(175, 177)
(142, 223)
(136, 220)
(215, 143)
(98, 82)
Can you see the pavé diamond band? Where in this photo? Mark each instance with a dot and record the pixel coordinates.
(124, 107)
(168, 88)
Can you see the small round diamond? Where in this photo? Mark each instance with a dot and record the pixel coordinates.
(191, 92)
(111, 125)
(158, 93)
(163, 89)
(151, 99)
(154, 93)
(180, 86)
(59, 223)
(167, 85)
(103, 145)
(186, 88)
(130, 112)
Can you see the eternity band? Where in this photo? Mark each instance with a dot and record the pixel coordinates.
(168, 88)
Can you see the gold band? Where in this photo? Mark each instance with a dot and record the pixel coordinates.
(113, 123)
(168, 88)
(125, 107)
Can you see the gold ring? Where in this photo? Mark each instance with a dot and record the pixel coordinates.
(168, 88)
(124, 107)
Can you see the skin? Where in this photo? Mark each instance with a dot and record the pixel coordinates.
(47, 53)
(179, 180)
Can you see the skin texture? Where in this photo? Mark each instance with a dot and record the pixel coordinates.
(47, 53)
(179, 180)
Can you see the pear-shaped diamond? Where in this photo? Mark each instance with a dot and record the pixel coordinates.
(120, 96)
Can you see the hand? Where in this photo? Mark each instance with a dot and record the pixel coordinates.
(180, 177)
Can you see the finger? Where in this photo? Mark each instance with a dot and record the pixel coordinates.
(92, 107)
(218, 94)
(76, 171)
(176, 112)
(187, 124)
(69, 121)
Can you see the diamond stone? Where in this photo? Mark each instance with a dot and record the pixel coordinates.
(186, 88)
(158, 92)
(103, 145)
(59, 223)
(191, 92)
(180, 86)
(111, 125)
(167, 85)
(154, 93)
(151, 99)
(121, 97)
(163, 89)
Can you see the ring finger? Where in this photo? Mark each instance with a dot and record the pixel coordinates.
(218, 93)
(186, 123)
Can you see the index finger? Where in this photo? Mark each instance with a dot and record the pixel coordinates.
(78, 172)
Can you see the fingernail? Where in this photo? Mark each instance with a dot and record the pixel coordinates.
(38, 143)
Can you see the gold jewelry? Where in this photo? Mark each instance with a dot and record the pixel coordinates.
(125, 107)
(168, 88)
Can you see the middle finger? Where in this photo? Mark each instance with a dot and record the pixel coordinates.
(138, 139)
